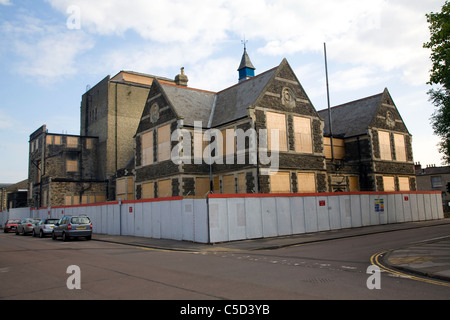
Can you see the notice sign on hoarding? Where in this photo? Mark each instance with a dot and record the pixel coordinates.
(379, 205)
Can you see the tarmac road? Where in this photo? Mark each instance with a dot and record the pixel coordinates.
(329, 265)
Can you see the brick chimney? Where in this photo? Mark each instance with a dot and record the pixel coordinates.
(181, 79)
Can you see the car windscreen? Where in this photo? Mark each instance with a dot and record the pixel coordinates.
(14, 221)
(51, 221)
(81, 220)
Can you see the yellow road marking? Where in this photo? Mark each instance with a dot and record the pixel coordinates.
(375, 260)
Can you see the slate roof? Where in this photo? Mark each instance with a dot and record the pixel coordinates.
(216, 108)
(353, 118)
(190, 104)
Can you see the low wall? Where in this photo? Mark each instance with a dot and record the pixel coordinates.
(223, 218)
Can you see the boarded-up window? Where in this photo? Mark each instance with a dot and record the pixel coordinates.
(385, 145)
(302, 134)
(99, 198)
(400, 150)
(389, 184)
(72, 142)
(124, 189)
(148, 190)
(216, 185)
(403, 184)
(57, 140)
(228, 142)
(68, 200)
(89, 143)
(164, 188)
(242, 183)
(276, 121)
(353, 184)
(164, 143)
(49, 140)
(72, 165)
(147, 148)
(202, 186)
(338, 147)
(280, 182)
(228, 184)
(306, 182)
(198, 141)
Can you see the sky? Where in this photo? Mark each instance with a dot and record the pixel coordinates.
(52, 50)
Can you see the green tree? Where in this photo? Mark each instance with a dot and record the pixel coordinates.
(440, 75)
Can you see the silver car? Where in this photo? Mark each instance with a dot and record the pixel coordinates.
(73, 227)
(44, 227)
(26, 226)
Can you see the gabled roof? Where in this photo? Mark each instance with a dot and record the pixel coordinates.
(213, 108)
(352, 118)
(232, 103)
(188, 103)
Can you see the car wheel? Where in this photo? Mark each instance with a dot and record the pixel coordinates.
(53, 235)
(23, 232)
(41, 234)
(33, 233)
(17, 231)
(65, 237)
(88, 237)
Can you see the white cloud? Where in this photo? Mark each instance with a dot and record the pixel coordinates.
(6, 2)
(45, 52)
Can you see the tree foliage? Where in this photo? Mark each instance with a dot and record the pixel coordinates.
(439, 24)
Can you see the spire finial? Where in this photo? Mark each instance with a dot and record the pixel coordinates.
(244, 42)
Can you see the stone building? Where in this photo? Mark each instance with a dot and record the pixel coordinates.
(111, 111)
(432, 178)
(372, 146)
(63, 170)
(369, 148)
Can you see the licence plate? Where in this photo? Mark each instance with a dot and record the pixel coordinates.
(81, 228)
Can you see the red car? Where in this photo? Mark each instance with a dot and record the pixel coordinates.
(11, 225)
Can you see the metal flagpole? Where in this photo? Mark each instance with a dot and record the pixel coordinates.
(330, 123)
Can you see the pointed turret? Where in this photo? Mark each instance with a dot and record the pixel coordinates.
(246, 69)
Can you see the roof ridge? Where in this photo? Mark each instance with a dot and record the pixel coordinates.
(187, 88)
(255, 77)
(354, 101)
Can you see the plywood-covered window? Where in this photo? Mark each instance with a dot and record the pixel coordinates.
(164, 188)
(198, 141)
(388, 183)
(242, 183)
(216, 185)
(72, 142)
(57, 140)
(353, 184)
(280, 182)
(306, 182)
(164, 143)
(338, 147)
(147, 148)
(72, 165)
(276, 121)
(202, 186)
(228, 142)
(302, 134)
(228, 184)
(400, 150)
(403, 184)
(148, 190)
(124, 189)
(385, 145)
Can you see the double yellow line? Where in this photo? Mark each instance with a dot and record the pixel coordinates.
(377, 261)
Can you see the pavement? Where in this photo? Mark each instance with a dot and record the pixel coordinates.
(430, 259)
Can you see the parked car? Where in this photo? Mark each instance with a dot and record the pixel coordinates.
(26, 226)
(73, 227)
(11, 225)
(44, 227)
